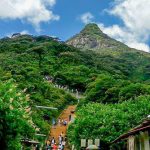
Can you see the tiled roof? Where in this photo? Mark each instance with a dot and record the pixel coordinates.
(142, 127)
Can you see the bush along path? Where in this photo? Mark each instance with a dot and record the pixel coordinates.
(60, 128)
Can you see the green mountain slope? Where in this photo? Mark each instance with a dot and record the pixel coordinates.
(29, 60)
(111, 53)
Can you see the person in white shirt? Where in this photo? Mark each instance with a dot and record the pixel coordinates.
(63, 145)
(60, 139)
(60, 147)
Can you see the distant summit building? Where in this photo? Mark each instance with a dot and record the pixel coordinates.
(16, 35)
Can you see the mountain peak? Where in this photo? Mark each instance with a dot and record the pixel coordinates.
(91, 37)
(91, 28)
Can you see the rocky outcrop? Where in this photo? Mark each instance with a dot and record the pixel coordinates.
(91, 37)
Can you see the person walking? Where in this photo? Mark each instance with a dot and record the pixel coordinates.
(48, 142)
(53, 123)
(62, 121)
(59, 122)
(65, 138)
(48, 147)
(60, 147)
(65, 122)
(62, 135)
(53, 141)
(60, 139)
(54, 147)
(63, 144)
(70, 117)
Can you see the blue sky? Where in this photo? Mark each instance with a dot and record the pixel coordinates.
(64, 18)
(69, 23)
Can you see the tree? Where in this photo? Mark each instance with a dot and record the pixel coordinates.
(133, 90)
(15, 120)
(96, 91)
(40, 51)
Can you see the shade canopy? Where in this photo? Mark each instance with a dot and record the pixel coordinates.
(92, 147)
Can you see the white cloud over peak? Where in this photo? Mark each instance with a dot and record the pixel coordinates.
(123, 35)
(24, 32)
(33, 11)
(135, 31)
(86, 17)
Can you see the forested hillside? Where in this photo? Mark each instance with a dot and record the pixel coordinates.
(117, 99)
(35, 64)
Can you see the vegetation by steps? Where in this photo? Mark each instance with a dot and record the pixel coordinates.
(107, 122)
(15, 116)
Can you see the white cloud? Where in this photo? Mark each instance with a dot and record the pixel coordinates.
(123, 35)
(139, 46)
(33, 11)
(134, 13)
(86, 17)
(136, 29)
(24, 32)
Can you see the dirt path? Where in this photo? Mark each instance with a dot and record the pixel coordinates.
(55, 132)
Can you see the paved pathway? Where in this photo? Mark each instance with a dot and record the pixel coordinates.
(55, 132)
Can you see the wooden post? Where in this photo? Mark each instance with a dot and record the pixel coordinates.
(146, 140)
(90, 142)
(83, 143)
(97, 142)
(131, 143)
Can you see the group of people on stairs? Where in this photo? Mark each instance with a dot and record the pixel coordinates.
(52, 145)
(58, 139)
